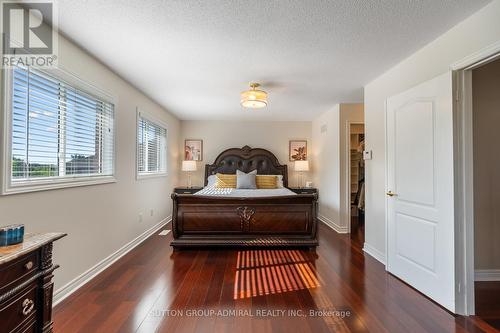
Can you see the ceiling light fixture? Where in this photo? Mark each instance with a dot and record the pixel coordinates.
(254, 98)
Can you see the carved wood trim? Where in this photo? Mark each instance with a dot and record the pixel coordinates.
(46, 256)
(26, 283)
(47, 293)
(258, 242)
(245, 213)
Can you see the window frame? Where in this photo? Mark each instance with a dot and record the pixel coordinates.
(7, 186)
(138, 175)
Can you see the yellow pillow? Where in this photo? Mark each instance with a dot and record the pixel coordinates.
(225, 181)
(266, 182)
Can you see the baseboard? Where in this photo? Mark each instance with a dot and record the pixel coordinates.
(72, 286)
(333, 225)
(376, 254)
(487, 275)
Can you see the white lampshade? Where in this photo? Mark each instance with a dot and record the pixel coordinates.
(301, 166)
(188, 165)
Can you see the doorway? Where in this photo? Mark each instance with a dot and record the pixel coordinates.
(476, 105)
(357, 182)
(486, 190)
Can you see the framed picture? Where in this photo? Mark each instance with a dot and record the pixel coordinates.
(297, 150)
(193, 150)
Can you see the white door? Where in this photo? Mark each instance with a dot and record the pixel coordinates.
(420, 207)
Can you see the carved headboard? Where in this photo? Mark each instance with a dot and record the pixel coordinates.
(247, 159)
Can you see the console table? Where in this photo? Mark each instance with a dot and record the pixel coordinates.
(26, 287)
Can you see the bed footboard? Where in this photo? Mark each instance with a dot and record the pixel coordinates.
(285, 221)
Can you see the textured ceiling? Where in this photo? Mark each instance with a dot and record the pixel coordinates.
(195, 57)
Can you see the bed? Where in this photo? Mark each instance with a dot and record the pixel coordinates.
(219, 217)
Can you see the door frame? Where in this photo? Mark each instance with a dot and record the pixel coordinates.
(464, 177)
(347, 172)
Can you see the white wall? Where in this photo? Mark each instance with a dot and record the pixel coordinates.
(220, 135)
(326, 162)
(486, 117)
(329, 157)
(100, 219)
(471, 35)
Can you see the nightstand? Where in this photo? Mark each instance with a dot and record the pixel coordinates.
(185, 190)
(304, 190)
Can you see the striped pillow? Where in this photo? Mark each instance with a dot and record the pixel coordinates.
(225, 181)
(266, 181)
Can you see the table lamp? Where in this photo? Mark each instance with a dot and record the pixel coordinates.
(189, 166)
(301, 166)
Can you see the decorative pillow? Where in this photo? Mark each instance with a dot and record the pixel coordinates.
(211, 181)
(246, 180)
(279, 180)
(266, 181)
(225, 181)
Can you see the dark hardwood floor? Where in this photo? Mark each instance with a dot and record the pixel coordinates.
(357, 232)
(488, 302)
(153, 289)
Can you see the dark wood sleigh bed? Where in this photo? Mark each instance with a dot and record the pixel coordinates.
(208, 221)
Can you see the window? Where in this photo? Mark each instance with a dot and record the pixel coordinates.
(151, 147)
(58, 134)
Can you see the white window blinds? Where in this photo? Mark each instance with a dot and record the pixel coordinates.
(151, 147)
(58, 131)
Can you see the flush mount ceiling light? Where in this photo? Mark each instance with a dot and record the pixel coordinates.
(254, 98)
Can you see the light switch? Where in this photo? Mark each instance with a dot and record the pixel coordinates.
(367, 154)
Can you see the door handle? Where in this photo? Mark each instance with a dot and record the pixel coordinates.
(391, 194)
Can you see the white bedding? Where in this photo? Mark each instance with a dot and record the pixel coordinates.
(244, 193)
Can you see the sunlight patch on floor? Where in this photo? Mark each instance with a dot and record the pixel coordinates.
(264, 272)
